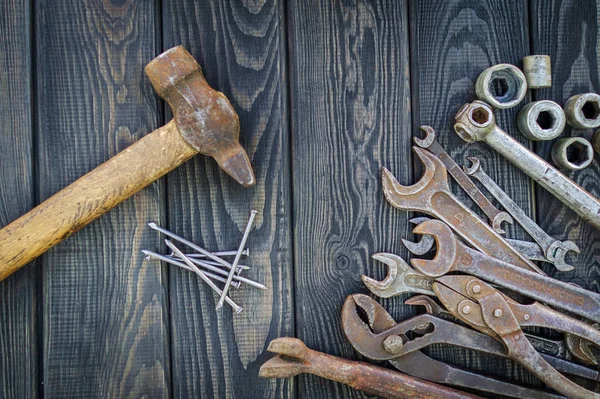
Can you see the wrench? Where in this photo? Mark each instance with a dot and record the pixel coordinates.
(495, 215)
(453, 255)
(475, 122)
(555, 250)
(294, 358)
(530, 249)
(401, 278)
(432, 195)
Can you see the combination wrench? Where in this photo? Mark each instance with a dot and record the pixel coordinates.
(431, 195)
(495, 216)
(555, 250)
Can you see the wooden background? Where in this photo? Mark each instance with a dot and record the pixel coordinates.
(328, 92)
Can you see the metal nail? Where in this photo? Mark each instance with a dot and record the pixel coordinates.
(245, 252)
(237, 259)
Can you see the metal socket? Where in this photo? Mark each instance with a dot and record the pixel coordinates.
(537, 71)
(541, 120)
(572, 153)
(502, 86)
(583, 111)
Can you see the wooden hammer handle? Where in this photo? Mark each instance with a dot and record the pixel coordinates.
(91, 196)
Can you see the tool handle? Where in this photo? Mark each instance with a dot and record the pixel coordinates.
(543, 316)
(91, 196)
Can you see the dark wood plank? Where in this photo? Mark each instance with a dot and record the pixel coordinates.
(217, 354)
(453, 43)
(568, 32)
(105, 313)
(349, 70)
(18, 303)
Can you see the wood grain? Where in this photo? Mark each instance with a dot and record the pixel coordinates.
(567, 31)
(350, 116)
(105, 314)
(453, 43)
(240, 46)
(18, 306)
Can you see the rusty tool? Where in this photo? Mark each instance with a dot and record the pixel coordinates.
(555, 250)
(487, 310)
(495, 216)
(531, 250)
(454, 256)
(476, 122)
(294, 358)
(204, 122)
(431, 195)
(379, 337)
(554, 348)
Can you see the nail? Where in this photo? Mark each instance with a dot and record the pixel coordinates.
(200, 262)
(246, 252)
(235, 306)
(237, 259)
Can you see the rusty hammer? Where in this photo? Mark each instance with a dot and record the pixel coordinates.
(204, 122)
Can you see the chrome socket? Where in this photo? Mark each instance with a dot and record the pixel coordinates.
(572, 153)
(583, 111)
(537, 71)
(541, 120)
(502, 86)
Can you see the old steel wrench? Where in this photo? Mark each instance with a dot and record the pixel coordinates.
(531, 250)
(495, 215)
(372, 340)
(555, 250)
(475, 122)
(488, 310)
(431, 195)
(453, 255)
(294, 358)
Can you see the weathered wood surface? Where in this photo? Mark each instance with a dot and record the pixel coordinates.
(216, 354)
(104, 310)
(350, 95)
(18, 303)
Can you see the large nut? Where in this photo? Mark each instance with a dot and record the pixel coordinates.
(501, 86)
(573, 153)
(583, 111)
(541, 120)
(537, 71)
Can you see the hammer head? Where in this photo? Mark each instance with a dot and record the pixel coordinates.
(204, 116)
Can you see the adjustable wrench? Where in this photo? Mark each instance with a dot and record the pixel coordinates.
(432, 195)
(476, 122)
(495, 215)
(530, 249)
(555, 250)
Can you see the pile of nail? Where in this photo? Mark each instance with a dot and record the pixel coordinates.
(210, 266)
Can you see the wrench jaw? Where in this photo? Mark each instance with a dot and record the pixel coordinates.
(474, 121)
(415, 198)
(294, 363)
(429, 138)
(475, 166)
(446, 244)
(499, 219)
(401, 278)
(557, 253)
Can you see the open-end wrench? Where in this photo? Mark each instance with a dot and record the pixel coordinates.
(495, 215)
(454, 256)
(431, 195)
(476, 122)
(294, 358)
(530, 249)
(555, 250)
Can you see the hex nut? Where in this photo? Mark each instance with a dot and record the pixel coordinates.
(572, 153)
(541, 120)
(502, 86)
(583, 111)
(538, 71)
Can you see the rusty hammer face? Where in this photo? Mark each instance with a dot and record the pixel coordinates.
(204, 122)
(204, 117)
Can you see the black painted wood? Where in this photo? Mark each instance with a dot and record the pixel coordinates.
(350, 116)
(105, 309)
(241, 48)
(18, 302)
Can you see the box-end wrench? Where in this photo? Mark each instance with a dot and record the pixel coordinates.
(555, 250)
(530, 249)
(431, 195)
(476, 122)
(495, 215)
